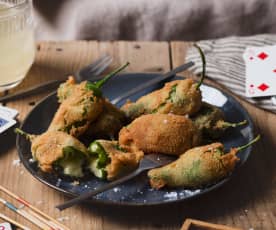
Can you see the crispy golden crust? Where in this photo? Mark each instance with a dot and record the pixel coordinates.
(178, 97)
(160, 133)
(195, 168)
(108, 123)
(48, 147)
(120, 162)
(230, 159)
(76, 111)
(66, 89)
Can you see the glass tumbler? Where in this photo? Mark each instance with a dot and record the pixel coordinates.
(17, 46)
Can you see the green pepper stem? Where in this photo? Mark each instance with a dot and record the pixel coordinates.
(101, 82)
(203, 65)
(226, 124)
(250, 143)
(21, 132)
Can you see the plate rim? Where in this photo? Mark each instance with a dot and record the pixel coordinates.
(125, 203)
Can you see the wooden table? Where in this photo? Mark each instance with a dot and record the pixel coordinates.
(247, 201)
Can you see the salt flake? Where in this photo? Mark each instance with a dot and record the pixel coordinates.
(171, 195)
(63, 218)
(116, 189)
(16, 162)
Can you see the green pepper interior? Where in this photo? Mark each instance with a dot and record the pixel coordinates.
(71, 162)
(99, 159)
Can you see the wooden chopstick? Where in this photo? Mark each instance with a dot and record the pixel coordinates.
(4, 217)
(28, 205)
(43, 220)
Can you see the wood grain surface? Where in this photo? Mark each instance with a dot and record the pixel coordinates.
(247, 201)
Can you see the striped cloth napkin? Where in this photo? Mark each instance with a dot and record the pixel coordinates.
(225, 64)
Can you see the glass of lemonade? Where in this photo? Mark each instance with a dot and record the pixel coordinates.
(17, 46)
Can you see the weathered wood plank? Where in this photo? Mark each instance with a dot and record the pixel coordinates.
(143, 56)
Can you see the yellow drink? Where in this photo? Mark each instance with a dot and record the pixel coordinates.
(17, 49)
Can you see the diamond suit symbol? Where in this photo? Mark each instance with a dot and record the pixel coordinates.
(262, 55)
(263, 87)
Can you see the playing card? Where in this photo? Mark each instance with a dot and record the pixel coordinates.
(5, 226)
(6, 123)
(7, 112)
(260, 71)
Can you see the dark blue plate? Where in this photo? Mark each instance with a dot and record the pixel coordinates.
(136, 191)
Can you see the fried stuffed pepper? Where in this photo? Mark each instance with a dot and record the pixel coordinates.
(79, 107)
(80, 104)
(59, 152)
(109, 161)
(197, 167)
(179, 97)
(211, 122)
(161, 133)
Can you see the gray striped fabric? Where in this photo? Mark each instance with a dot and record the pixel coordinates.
(225, 65)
